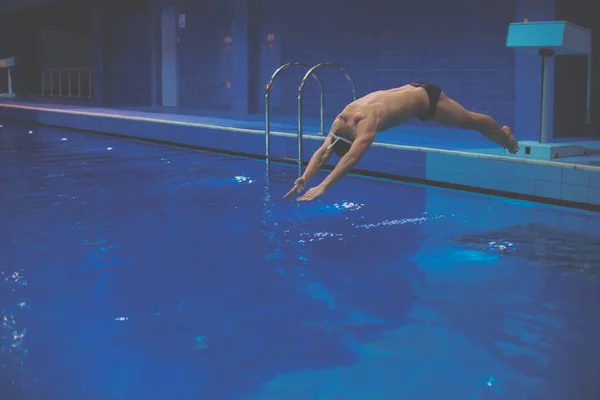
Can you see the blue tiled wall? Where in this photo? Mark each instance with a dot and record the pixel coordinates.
(459, 45)
(202, 60)
(528, 73)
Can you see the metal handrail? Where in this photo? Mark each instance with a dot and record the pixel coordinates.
(70, 72)
(268, 88)
(310, 73)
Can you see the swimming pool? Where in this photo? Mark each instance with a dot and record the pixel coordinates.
(137, 271)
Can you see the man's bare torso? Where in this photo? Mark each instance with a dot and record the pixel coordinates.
(388, 108)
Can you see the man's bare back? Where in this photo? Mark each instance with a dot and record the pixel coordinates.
(355, 128)
(389, 108)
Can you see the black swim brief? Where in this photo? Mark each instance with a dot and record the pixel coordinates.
(434, 93)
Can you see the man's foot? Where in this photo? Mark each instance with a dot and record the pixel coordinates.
(508, 140)
(504, 139)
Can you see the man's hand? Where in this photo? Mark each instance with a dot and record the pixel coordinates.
(299, 185)
(312, 193)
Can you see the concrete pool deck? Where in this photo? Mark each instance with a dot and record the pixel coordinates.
(418, 154)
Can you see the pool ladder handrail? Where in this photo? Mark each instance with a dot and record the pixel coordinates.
(309, 73)
(268, 88)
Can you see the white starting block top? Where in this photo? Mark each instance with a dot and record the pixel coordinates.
(563, 37)
(7, 62)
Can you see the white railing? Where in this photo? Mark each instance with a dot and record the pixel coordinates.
(67, 82)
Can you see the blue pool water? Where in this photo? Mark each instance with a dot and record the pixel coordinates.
(139, 271)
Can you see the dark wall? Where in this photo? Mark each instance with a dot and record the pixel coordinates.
(571, 73)
(202, 59)
(12, 44)
(8, 38)
(131, 52)
(61, 35)
(14, 5)
(127, 62)
(459, 45)
(39, 37)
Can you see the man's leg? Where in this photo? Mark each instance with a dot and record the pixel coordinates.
(451, 113)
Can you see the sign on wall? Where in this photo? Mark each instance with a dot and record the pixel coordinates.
(182, 20)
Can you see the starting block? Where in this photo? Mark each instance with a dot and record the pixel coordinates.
(547, 39)
(8, 63)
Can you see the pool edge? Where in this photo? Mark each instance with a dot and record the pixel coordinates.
(559, 184)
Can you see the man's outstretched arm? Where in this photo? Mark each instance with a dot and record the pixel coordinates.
(366, 132)
(317, 160)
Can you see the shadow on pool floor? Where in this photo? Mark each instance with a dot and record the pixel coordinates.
(541, 244)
